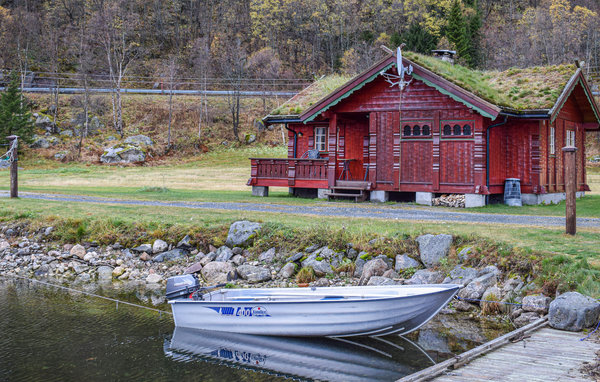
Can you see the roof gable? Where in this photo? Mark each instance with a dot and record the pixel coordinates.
(590, 111)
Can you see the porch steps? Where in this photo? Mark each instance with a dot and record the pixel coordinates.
(357, 195)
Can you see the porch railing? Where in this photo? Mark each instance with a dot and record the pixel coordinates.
(288, 172)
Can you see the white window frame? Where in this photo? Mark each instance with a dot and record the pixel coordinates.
(552, 140)
(570, 138)
(320, 135)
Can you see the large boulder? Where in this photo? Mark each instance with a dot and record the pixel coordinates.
(171, 255)
(224, 254)
(123, 154)
(405, 262)
(425, 276)
(253, 273)
(321, 267)
(461, 275)
(375, 267)
(267, 256)
(475, 289)
(433, 248)
(573, 311)
(242, 233)
(536, 303)
(218, 272)
(159, 246)
(287, 271)
(39, 142)
(139, 140)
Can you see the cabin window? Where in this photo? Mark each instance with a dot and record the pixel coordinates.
(321, 138)
(417, 130)
(467, 129)
(570, 138)
(426, 130)
(447, 130)
(456, 130)
(551, 139)
(407, 131)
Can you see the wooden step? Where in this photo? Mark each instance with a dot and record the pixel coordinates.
(352, 184)
(361, 196)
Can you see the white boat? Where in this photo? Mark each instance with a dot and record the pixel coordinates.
(358, 359)
(307, 312)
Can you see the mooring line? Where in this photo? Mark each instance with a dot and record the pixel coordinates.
(516, 303)
(91, 294)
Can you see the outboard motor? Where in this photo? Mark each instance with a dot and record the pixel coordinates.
(181, 286)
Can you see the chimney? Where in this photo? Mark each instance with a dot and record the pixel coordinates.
(444, 55)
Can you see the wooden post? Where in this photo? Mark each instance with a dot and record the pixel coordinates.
(14, 183)
(570, 188)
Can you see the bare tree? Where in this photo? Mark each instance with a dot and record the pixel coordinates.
(201, 64)
(169, 73)
(264, 64)
(235, 65)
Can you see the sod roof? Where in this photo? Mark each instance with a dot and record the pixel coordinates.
(535, 88)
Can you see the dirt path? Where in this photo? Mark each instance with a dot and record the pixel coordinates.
(386, 212)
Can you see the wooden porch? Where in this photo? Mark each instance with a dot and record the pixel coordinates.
(289, 172)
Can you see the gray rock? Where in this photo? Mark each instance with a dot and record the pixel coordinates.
(491, 294)
(463, 306)
(295, 257)
(78, 250)
(433, 248)
(525, 318)
(489, 269)
(39, 143)
(237, 250)
(143, 248)
(267, 256)
(464, 253)
(242, 233)
(405, 262)
(80, 268)
(475, 289)
(322, 282)
(253, 273)
(42, 270)
(67, 133)
(123, 154)
(250, 138)
(321, 268)
(159, 246)
(461, 275)
(238, 259)
(513, 285)
(380, 280)
(359, 266)
(185, 243)
(375, 267)
(194, 268)
(154, 278)
(287, 271)
(83, 278)
(139, 140)
(218, 272)
(388, 261)
(390, 274)
(425, 276)
(173, 254)
(105, 273)
(536, 303)
(326, 253)
(432, 340)
(60, 155)
(224, 254)
(573, 311)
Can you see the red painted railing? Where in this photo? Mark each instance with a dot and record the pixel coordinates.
(288, 172)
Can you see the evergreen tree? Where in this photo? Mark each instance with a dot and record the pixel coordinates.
(475, 38)
(458, 33)
(15, 115)
(418, 40)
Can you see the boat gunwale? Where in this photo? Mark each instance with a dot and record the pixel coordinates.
(447, 288)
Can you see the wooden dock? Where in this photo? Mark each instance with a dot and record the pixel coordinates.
(532, 353)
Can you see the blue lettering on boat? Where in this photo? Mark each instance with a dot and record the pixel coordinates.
(241, 311)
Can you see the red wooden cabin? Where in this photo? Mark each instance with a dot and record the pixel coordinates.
(451, 130)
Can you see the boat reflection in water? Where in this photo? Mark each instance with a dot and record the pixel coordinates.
(333, 359)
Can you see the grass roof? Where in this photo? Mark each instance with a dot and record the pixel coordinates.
(519, 89)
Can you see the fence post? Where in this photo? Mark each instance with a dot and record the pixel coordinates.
(570, 189)
(14, 181)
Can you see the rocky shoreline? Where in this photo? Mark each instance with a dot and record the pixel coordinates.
(486, 290)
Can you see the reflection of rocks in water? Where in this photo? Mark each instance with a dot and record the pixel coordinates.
(432, 340)
(449, 334)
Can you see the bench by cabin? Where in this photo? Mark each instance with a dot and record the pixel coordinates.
(450, 130)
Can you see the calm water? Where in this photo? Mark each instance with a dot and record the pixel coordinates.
(52, 335)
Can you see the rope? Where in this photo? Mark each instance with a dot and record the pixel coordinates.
(91, 294)
(517, 304)
(9, 155)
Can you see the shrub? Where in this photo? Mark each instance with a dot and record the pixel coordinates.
(305, 275)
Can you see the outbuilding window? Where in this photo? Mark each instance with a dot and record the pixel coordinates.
(407, 131)
(321, 138)
(551, 141)
(570, 138)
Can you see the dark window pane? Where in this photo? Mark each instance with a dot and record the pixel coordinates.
(467, 130)
(456, 130)
(447, 130)
(417, 130)
(426, 130)
(407, 130)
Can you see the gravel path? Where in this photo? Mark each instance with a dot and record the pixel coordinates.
(399, 212)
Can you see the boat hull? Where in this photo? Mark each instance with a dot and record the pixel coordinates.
(402, 309)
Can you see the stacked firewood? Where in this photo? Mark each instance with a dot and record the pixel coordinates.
(450, 200)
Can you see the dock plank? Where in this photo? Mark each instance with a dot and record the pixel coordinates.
(547, 355)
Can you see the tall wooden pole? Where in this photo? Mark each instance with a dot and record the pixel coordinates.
(570, 188)
(14, 182)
